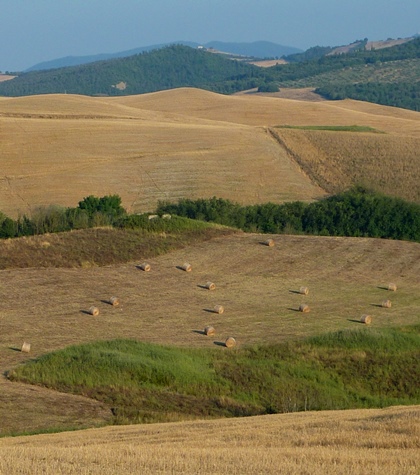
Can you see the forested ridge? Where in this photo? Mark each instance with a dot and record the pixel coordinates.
(389, 76)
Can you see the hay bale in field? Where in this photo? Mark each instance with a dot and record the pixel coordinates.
(114, 301)
(392, 287)
(186, 267)
(304, 290)
(366, 319)
(210, 286)
(269, 242)
(304, 308)
(209, 330)
(230, 342)
(26, 347)
(218, 309)
(166, 216)
(386, 304)
(94, 311)
(145, 266)
(153, 216)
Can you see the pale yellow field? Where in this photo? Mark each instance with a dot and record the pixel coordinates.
(256, 285)
(336, 160)
(375, 442)
(58, 149)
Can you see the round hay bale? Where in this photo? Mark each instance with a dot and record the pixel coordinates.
(186, 267)
(145, 266)
(392, 287)
(26, 347)
(209, 330)
(366, 319)
(218, 309)
(230, 342)
(269, 242)
(210, 286)
(304, 308)
(114, 301)
(94, 311)
(304, 290)
(386, 304)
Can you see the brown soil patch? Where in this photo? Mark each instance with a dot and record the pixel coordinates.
(302, 94)
(6, 77)
(268, 63)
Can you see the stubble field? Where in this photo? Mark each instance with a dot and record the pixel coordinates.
(375, 441)
(58, 149)
(257, 286)
(190, 143)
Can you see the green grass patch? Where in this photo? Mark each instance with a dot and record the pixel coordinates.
(143, 382)
(333, 128)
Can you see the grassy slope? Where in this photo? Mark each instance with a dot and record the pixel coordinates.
(152, 383)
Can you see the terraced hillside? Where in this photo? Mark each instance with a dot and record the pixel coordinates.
(57, 149)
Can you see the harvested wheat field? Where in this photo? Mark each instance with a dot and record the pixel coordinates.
(336, 160)
(257, 285)
(179, 143)
(375, 441)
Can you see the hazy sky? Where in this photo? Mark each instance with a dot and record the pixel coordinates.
(32, 31)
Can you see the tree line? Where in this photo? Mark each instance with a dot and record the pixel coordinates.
(357, 212)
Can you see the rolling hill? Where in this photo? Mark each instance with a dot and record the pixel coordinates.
(385, 440)
(258, 49)
(197, 144)
(386, 76)
(57, 149)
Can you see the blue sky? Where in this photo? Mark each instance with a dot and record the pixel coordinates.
(32, 31)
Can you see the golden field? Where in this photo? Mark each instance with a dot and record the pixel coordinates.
(58, 149)
(376, 441)
(256, 285)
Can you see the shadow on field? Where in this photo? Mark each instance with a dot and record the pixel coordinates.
(354, 321)
(219, 343)
(13, 348)
(86, 312)
(294, 291)
(293, 309)
(376, 305)
(200, 332)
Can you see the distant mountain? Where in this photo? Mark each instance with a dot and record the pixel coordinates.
(79, 60)
(258, 49)
(387, 75)
(165, 68)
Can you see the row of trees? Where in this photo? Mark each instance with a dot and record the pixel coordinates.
(357, 212)
(90, 212)
(405, 95)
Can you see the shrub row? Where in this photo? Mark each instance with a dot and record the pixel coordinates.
(357, 212)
